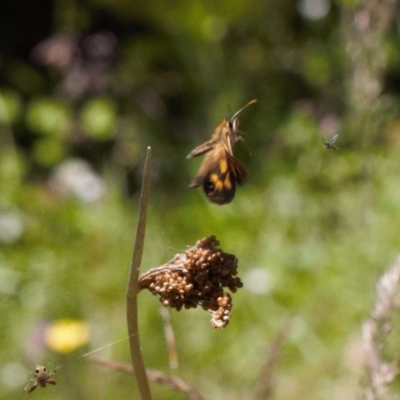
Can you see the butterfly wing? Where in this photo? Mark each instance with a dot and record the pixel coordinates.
(219, 136)
(218, 176)
(236, 169)
(202, 149)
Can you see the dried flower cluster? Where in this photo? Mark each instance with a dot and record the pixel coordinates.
(197, 277)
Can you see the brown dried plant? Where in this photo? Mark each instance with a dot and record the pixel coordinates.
(380, 371)
(197, 277)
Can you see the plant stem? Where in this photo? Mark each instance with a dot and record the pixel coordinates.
(159, 377)
(133, 287)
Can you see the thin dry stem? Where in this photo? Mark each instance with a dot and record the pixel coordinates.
(265, 378)
(133, 287)
(153, 375)
(169, 338)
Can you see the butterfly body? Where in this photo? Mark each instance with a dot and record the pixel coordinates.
(220, 171)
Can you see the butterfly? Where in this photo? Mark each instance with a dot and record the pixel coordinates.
(220, 171)
(329, 145)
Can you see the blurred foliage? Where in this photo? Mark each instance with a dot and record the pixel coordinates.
(87, 86)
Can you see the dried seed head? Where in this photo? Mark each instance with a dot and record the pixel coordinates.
(197, 277)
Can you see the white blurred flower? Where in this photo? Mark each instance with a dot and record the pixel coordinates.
(258, 281)
(314, 9)
(13, 374)
(77, 177)
(11, 227)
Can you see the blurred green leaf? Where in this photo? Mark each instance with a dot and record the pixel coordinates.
(10, 106)
(317, 65)
(12, 171)
(99, 119)
(49, 151)
(49, 117)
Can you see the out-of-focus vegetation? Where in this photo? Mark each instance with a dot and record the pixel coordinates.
(87, 86)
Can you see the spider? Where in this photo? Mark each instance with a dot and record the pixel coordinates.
(42, 378)
(329, 145)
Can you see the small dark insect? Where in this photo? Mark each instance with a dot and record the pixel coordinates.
(42, 378)
(329, 145)
(220, 171)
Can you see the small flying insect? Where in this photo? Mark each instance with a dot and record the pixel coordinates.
(42, 378)
(220, 171)
(329, 145)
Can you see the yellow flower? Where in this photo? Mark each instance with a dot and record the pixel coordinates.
(65, 335)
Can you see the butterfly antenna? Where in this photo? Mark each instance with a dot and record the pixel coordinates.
(238, 112)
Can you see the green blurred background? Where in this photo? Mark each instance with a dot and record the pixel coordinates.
(87, 86)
